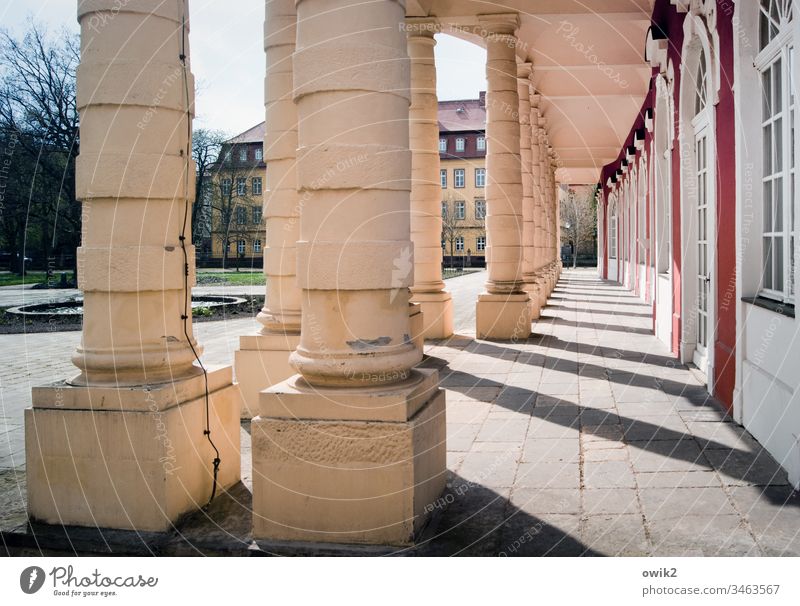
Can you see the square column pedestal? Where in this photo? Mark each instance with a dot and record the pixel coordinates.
(535, 290)
(262, 361)
(132, 458)
(417, 325)
(346, 465)
(503, 316)
(437, 314)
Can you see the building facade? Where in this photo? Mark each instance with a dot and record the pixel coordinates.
(234, 199)
(462, 151)
(699, 209)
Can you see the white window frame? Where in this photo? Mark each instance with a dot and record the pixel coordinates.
(780, 166)
(241, 186)
(480, 243)
(443, 177)
(241, 247)
(461, 210)
(442, 146)
(612, 231)
(480, 144)
(461, 144)
(256, 186)
(258, 215)
(459, 177)
(459, 243)
(225, 186)
(259, 154)
(241, 215)
(243, 155)
(480, 203)
(480, 177)
(256, 246)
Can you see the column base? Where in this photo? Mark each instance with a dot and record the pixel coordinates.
(533, 289)
(437, 313)
(416, 319)
(262, 361)
(133, 458)
(341, 465)
(503, 316)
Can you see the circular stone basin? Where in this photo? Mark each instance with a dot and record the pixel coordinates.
(74, 307)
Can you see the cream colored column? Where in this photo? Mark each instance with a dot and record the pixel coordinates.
(353, 448)
(426, 190)
(503, 311)
(124, 444)
(542, 214)
(538, 298)
(263, 358)
(526, 158)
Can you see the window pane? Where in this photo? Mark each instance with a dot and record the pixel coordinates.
(767, 153)
(766, 94)
(767, 207)
(767, 271)
(777, 248)
(778, 199)
(778, 144)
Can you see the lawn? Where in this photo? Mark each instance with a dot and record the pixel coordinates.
(33, 277)
(230, 278)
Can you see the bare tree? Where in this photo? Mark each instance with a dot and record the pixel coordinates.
(452, 226)
(579, 221)
(206, 146)
(39, 139)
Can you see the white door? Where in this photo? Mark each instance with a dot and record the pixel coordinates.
(704, 221)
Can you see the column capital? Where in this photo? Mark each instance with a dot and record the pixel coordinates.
(499, 24)
(422, 28)
(524, 70)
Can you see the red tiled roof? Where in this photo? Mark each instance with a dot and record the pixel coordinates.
(462, 115)
(251, 135)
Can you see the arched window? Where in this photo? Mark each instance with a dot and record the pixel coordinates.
(701, 85)
(775, 63)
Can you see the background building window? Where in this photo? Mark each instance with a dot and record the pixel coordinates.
(256, 186)
(480, 209)
(461, 209)
(243, 154)
(458, 177)
(241, 215)
(259, 154)
(242, 247)
(442, 145)
(256, 246)
(444, 209)
(241, 186)
(775, 63)
(257, 215)
(481, 243)
(461, 144)
(226, 187)
(443, 177)
(460, 243)
(480, 177)
(481, 144)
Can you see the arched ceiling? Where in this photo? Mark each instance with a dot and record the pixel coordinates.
(588, 67)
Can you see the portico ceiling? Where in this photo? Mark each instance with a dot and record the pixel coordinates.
(588, 66)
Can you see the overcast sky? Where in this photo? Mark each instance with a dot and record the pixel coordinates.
(228, 56)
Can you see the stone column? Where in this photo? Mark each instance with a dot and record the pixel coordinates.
(124, 444)
(537, 294)
(263, 358)
(526, 158)
(503, 311)
(426, 190)
(352, 449)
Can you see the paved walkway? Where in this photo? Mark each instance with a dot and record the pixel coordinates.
(586, 438)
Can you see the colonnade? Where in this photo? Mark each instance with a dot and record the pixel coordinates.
(348, 433)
